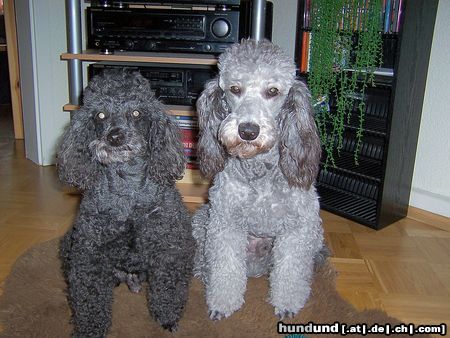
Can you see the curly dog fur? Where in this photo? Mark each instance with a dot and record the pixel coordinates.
(259, 141)
(124, 153)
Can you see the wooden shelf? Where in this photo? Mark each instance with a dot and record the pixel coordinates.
(181, 110)
(95, 56)
(170, 109)
(193, 193)
(3, 47)
(70, 107)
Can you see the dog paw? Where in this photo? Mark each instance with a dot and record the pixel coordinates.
(134, 288)
(172, 327)
(284, 314)
(133, 282)
(216, 315)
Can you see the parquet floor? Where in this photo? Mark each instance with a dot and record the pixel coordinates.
(403, 269)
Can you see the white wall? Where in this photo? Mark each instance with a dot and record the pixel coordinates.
(431, 181)
(26, 49)
(41, 34)
(284, 23)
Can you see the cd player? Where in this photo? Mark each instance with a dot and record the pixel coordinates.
(172, 84)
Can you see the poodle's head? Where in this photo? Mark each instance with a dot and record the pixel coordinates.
(256, 103)
(120, 120)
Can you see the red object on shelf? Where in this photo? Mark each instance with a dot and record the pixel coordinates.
(305, 53)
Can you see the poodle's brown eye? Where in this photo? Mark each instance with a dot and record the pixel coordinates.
(273, 91)
(101, 116)
(136, 113)
(235, 89)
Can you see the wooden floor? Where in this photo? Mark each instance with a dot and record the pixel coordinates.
(403, 269)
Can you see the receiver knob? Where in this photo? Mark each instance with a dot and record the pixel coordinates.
(220, 28)
(129, 44)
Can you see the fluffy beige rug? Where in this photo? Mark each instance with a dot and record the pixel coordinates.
(34, 305)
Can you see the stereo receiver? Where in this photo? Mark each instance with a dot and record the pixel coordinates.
(204, 29)
(125, 3)
(121, 3)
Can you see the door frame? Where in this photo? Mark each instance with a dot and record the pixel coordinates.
(13, 66)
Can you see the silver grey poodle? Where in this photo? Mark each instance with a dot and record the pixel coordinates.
(124, 153)
(259, 141)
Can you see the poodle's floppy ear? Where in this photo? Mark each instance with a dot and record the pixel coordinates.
(211, 109)
(75, 164)
(167, 159)
(300, 148)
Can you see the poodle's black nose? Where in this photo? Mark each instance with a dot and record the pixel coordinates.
(115, 137)
(248, 131)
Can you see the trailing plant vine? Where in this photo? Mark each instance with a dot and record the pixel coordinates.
(346, 47)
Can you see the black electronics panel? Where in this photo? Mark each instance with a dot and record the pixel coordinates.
(172, 84)
(119, 3)
(173, 29)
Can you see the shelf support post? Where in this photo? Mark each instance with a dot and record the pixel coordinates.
(258, 19)
(73, 18)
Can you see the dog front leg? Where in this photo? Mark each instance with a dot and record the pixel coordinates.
(168, 286)
(293, 263)
(226, 277)
(90, 295)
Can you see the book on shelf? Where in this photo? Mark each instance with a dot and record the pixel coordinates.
(387, 15)
(186, 121)
(189, 138)
(304, 58)
(188, 125)
(395, 18)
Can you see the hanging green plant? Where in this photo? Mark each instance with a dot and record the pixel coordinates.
(346, 48)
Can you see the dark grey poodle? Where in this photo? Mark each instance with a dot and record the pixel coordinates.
(124, 153)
